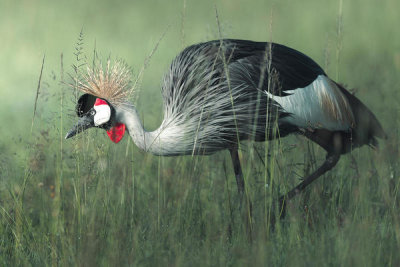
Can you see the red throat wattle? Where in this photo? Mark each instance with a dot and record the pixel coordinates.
(117, 132)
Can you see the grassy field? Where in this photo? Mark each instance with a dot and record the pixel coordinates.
(89, 202)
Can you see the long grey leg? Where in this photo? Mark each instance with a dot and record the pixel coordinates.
(330, 162)
(247, 212)
(238, 170)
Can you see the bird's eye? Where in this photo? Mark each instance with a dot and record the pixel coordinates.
(92, 112)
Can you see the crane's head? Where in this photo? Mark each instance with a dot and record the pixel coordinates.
(105, 88)
(97, 112)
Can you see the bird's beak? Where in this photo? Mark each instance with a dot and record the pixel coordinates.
(84, 122)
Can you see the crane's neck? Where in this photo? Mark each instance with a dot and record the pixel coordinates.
(146, 141)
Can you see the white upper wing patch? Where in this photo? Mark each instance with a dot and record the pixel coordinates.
(103, 114)
(318, 105)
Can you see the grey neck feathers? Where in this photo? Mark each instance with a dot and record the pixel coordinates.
(147, 141)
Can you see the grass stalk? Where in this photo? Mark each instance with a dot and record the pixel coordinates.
(339, 36)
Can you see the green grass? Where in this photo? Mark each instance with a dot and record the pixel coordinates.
(88, 201)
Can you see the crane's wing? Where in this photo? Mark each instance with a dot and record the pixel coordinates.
(279, 67)
(227, 90)
(217, 91)
(293, 81)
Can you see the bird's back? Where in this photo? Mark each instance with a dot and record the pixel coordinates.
(222, 91)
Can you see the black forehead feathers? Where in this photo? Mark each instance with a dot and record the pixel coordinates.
(85, 103)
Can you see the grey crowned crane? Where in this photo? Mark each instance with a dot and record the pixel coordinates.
(221, 92)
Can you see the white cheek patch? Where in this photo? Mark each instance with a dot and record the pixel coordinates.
(103, 114)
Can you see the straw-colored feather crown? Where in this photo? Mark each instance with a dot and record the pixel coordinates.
(112, 82)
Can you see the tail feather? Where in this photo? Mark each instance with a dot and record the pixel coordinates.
(367, 125)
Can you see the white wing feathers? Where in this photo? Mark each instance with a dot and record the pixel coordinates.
(318, 105)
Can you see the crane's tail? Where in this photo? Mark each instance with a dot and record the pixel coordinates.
(367, 126)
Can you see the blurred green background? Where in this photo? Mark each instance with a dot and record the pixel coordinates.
(90, 202)
(130, 29)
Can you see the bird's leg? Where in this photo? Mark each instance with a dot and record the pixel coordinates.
(238, 170)
(330, 162)
(247, 212)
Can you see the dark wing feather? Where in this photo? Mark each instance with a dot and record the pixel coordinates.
(290, 68)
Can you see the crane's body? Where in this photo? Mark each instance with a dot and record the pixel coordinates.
(221, 92)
